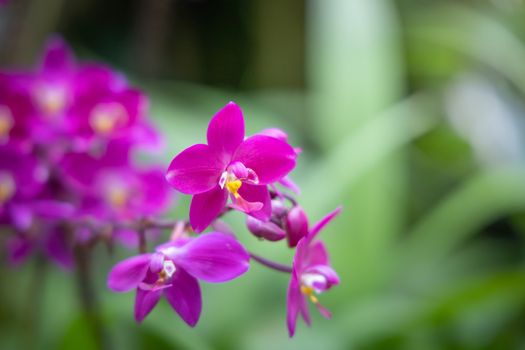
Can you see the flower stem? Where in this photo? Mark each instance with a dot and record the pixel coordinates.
(143, 244)
(292, 200)
(271, 264)
(88, 296)
(32, 315)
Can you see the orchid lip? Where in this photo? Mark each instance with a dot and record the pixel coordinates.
(232, 180)
(235, 175)
(165, 275)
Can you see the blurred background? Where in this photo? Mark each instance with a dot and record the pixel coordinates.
(410, 113)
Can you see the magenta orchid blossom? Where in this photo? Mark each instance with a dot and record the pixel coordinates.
(311, 275)
(69, 180)
(68, 133)
(174, 270)
(230, 164)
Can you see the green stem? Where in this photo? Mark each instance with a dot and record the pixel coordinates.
(88, 296)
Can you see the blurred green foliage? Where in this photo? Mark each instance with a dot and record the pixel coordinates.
(410, 113)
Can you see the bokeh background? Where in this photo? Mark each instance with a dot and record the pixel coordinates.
(411, 113)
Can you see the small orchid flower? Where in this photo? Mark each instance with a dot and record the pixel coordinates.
(132, 193)
(174, 269)
(230, 164)
(311, 275)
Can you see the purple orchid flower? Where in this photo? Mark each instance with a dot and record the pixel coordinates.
(16, 111)
(51, 240)
(174, 270)
(131, 193)
(230, 164)
(21, 179)
(113, 186)
(311, 274)
(110, 188)
(89, 104)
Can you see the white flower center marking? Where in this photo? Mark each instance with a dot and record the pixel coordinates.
(169, 268)
(310, 280)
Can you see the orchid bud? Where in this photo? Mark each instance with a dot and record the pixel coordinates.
(296, 225)
(278, 208)
(266, 230)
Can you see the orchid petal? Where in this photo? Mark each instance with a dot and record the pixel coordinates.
(322, 223)
(226, 129)
(257, 194)
(128, 274)
(304, 310)
(156, 262)
(287, 182)
(205, 207)
(195, 170)
(18, 249)
(293, 304)
(270, 158)
(327, 271)
(21, 216)
(245, 206)
(317, 254)
(59, 248)
(145, 301)
(214, 257)
(324, 311)
(185, 297)
(58, 58)
(276, 133)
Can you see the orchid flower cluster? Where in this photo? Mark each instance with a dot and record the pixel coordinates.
(69, 133)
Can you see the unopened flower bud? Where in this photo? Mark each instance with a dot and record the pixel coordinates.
(296, 225)
(278, 208)
(266, 230)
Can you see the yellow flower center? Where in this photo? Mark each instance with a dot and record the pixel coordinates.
(233, 187)
(309, 292)
(118, 196)
(105, 117)
(7, 187)
(6, 121)
(231, 182)
(51, 99)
